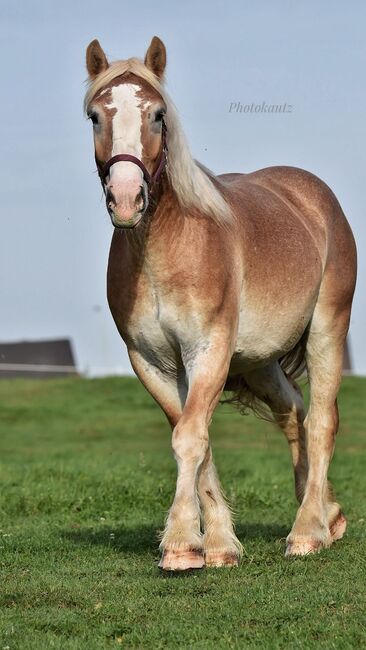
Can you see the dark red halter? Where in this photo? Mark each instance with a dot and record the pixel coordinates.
(149, 178)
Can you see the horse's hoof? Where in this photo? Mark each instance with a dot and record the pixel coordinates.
(302, 547)
(338, 527)
(181, 560)
(220, 558)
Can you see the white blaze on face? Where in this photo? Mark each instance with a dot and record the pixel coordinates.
(126, 133)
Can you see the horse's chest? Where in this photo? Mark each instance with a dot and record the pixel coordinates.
(153, 328)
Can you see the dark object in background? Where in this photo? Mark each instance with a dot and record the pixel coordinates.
(37, 359)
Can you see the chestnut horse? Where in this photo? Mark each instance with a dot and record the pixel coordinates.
(214, 282)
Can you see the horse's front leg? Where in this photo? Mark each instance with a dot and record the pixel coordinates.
(221, 546)
(182, 543)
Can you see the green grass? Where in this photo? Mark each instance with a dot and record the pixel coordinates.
(86, 479)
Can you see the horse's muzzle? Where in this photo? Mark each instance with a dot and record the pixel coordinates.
(127, 210)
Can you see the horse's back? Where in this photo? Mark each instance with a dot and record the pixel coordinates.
(281, 177)
(304, 192)
(303, 195)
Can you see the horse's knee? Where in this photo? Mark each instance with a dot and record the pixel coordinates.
(190, 442)
(322, 421)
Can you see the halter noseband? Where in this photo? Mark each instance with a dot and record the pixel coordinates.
(148, 178)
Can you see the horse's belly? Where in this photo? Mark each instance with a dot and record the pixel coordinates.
(260, 341)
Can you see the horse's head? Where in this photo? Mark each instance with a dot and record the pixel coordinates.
(128, 123)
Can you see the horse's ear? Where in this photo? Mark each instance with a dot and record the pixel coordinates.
(155, 58)
(96, 60)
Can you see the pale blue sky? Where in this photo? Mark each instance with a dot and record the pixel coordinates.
(55, 230)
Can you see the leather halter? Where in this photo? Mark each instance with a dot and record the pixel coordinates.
(149, 178)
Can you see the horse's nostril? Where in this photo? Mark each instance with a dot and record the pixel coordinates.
(111, 201)
(140, 199)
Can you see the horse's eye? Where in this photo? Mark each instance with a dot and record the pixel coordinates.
(94, 118)
(159, 115)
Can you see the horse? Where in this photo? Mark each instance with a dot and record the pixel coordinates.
(234, 282)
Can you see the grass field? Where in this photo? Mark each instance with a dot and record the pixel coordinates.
(86, 479)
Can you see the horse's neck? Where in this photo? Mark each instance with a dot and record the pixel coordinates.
(160, 224)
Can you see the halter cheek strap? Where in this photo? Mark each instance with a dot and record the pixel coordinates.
(148, 178)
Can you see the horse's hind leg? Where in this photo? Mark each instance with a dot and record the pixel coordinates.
(284, 398)
(319, 520)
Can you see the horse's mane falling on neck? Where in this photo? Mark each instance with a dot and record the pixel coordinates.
(190, 181)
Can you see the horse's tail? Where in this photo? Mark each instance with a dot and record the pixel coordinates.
(293, 365)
